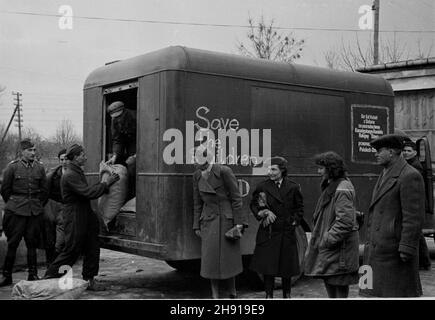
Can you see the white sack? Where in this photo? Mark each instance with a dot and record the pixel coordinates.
(110, 203)
(130, 206)
(60, 288)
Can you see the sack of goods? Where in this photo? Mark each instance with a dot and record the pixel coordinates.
(65, 288)
(129, 206)
(110, 203)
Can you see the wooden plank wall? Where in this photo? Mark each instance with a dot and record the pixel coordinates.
(415, 114)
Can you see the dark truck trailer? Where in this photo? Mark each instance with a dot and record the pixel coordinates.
(297, 110)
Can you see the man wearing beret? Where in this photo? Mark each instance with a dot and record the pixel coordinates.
(410, 155)
(80, 221)
(123, 130)
(395, 217)
(24, 192)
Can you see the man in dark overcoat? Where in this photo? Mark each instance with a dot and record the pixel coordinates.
(80, 221)
(123, 130)
(394, 223)
(410, 155)
(278, 203)
(24, 191)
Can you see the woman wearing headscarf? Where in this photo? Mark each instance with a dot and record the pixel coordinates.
(278, 204)
(217, 210)
(333, 248)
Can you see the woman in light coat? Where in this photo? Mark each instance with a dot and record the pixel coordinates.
(217, 209)
(333, 248)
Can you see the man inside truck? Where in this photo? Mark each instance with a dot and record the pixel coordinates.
(123, 131)
(410, 155)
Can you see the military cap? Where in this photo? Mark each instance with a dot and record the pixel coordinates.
(73, 150)
(393, 141)
(61, 152)
(409, 143)
(26, 144)
(280, 161)
(115, 109)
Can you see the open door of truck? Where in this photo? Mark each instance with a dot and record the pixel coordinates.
(423, 152)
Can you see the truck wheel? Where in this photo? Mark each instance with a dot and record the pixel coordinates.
(191, 266)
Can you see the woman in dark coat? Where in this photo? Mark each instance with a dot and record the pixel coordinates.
(333, 249)
(217, 209)
(277, 202)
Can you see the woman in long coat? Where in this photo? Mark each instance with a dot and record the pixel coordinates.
(277, 202)
(333, 249)
(217, 209)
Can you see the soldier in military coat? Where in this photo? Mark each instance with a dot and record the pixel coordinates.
(24, 192)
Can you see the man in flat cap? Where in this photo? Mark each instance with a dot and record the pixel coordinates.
(394, 223)
(123, 130)
(410, 155)
(24, 192)
(81, 224)
(278, 203)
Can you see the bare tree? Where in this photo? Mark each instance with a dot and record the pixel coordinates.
(2, 92)
(421, 53)
(65, 134)
(266, 43)
(352, 56)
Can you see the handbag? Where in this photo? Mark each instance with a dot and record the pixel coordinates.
(234, 233)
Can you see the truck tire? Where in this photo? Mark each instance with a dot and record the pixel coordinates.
(191, 266)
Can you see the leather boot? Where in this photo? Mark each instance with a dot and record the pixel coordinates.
(6, 280)
(32, 265)
(286, 288)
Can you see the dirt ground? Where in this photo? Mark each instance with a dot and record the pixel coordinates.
(125, 276)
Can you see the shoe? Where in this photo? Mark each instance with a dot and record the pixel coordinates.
(6, 281)
(95, 286)
(33, 277)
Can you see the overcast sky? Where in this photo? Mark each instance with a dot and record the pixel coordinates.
(49, 65)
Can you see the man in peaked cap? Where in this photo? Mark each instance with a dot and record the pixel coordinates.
(410, 155)
(123, 130)
(394, 223)
(52, 220)
(24, 191)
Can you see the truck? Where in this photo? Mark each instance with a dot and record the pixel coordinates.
(256, 108)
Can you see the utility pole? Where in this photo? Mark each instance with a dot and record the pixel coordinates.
(18, 111)
(9, 124)
(375, 8)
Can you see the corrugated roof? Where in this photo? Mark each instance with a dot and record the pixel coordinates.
(399, 65)
(231, 65)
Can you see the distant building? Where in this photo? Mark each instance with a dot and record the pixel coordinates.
(413, 82)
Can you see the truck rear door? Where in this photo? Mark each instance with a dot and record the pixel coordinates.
(423, 152)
